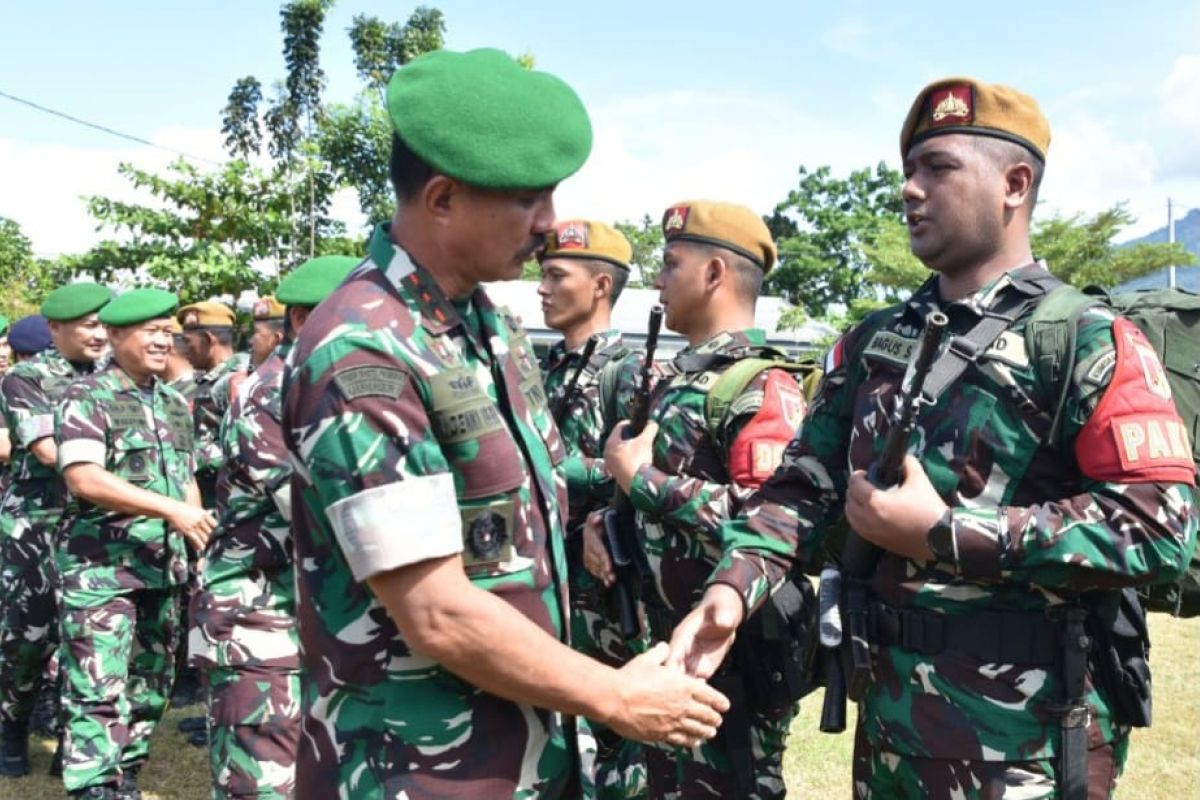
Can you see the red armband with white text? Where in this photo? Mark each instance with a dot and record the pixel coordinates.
(758, 449)
(1135, 434)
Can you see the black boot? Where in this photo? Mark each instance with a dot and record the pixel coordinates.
(188, 688)
(103, 792)
(128, 788)
(14, 749)
(56, 763)
(191, 724)
(44, 720)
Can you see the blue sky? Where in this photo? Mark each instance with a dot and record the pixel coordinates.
(699, 99)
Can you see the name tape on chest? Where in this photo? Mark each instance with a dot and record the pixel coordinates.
(890, 347)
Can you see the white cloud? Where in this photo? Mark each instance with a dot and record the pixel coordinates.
(850, 35)
(1180, 92)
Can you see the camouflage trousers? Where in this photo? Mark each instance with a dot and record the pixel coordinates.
(883, 775)
(244, 640)
(618, 765)
(28, 611)
(117, 661)
(253, 730)
(710, 770)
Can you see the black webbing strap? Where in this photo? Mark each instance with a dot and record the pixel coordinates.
(994, 637)
(1073, 714)
(1031, 285)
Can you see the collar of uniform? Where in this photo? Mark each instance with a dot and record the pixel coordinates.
(927, 299)
(726, 341)
(438, 314)
(125, 382)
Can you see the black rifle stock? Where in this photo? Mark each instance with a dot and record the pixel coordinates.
(620, 536)
(859, 556)
(564, 402)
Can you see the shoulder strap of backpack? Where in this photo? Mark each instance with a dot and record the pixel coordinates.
(606, 380)
(1050, 338)
(734, 379)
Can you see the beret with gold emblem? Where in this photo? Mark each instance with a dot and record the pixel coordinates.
(727, 225)
(314, 280)
(75, 300)
(587, 239)
(964, 105)
(139, 305)
(207, 314)
(482, 118)
(267, 308)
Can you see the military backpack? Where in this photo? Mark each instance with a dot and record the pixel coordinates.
(1170, 319)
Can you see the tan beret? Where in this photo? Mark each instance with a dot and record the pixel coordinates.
(268, 308)
(209, 314)
(964, 105)
(587, 239)
(727, 225)
(176, 328)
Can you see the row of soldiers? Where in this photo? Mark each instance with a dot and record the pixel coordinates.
(410, 589)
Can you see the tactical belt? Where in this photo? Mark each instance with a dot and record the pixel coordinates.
(994, 637)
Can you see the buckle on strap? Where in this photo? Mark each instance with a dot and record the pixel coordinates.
(963, 347)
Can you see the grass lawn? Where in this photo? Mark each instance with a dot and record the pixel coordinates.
(1164, 763)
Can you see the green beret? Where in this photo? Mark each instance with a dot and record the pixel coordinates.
(482, 118)
(130, 308)
(75, 300)
(313, 281)
(3, 324)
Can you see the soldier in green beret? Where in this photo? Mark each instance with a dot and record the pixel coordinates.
(243, 634)
(126, 452)
(33, 505)
(426, 504)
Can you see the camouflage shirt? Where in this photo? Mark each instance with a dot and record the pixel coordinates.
(209, 401)
(143, 435)
(253, 481)
(582, 424)
(28, 394)
(1031, 528)
(419, 429)
(692, 485)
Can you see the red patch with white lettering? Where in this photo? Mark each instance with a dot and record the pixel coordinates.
(952, 105)
(1135, 434)
(758, 450)
(571, 236)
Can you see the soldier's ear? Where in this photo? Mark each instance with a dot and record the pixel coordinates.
(1018, 185)
(715, 272)
(440, 196)
(603, 285)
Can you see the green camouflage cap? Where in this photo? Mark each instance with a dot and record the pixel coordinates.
(139, 305)
(482, 118)
(75, 300)
(312, 281)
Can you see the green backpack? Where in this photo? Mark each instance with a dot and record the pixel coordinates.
(734, 379)
(1170, 319)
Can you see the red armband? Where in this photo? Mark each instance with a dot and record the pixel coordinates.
(1135, 434)
(758, 449)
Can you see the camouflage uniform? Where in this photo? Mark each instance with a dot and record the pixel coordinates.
(243, 617)
(1032, 530)
(620, 765)
(120, 574)
(393, 398)
(696, 482)
(209, 399)
(30, 515)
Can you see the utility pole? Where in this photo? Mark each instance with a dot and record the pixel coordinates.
(1170, 240)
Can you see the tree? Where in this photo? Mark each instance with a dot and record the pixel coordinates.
(646, 239)
(1080, 250)
(823, 231)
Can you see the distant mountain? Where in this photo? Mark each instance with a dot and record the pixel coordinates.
(1187, 232)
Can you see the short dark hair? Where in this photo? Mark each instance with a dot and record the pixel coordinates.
(273, 325)
(619, 276)
(407, 171)
(747, 275)
(1004, 154)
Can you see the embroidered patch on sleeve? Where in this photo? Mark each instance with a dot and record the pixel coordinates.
(369, 381)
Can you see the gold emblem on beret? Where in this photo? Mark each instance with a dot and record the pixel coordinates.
(951, 106)
(191, 318)
(675, 219)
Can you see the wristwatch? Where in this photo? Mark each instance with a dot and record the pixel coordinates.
(940, 538)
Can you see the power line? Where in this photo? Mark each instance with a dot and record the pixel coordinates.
(104, 129)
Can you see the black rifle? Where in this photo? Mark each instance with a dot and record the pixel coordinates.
(859, 556)
(620, 536)
(564, 401)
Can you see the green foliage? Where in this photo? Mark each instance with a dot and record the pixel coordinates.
(646, 239)
(381, 47)
(1080, 249)
(823, 230)
(239, 120)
